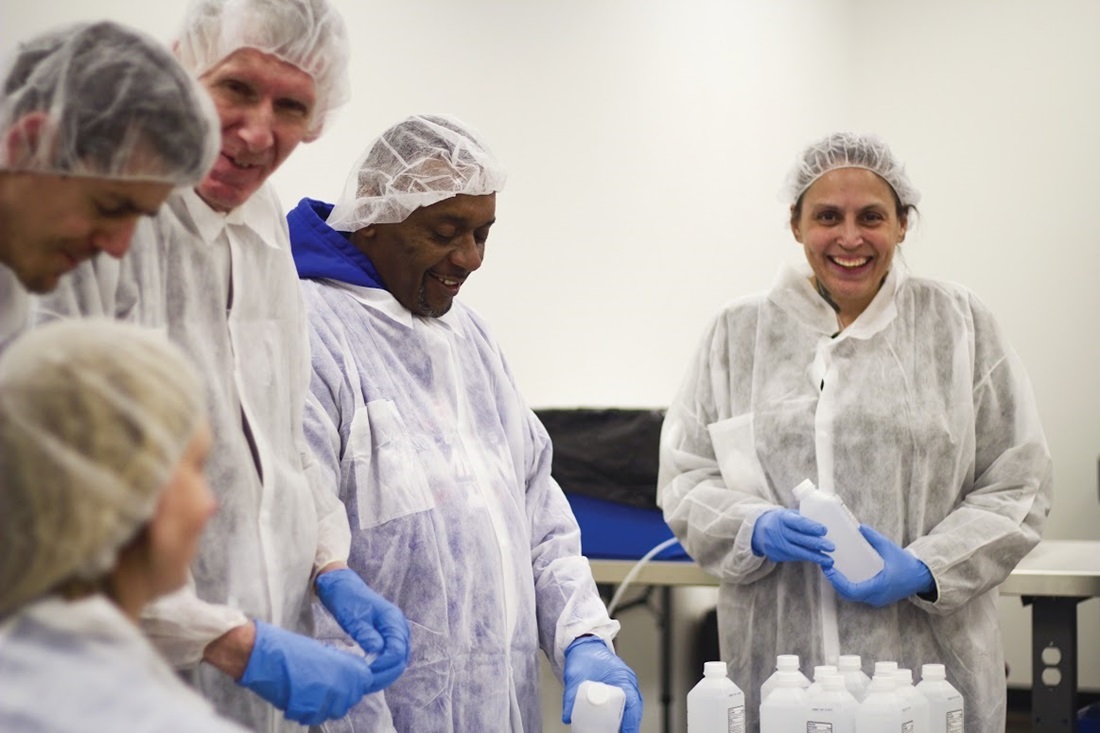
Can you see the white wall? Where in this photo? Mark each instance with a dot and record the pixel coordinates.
(646, 141)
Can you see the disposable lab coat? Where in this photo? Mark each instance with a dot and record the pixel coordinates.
(919, 416)
(225, 289)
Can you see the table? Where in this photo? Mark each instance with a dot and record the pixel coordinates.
(1053, 579)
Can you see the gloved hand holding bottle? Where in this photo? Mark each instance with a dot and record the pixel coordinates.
(902, 576)
(308, 681)
(784, 535)
(378, 626)
(588, 658)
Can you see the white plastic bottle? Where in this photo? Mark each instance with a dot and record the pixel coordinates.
(784, 709)
(715, 704)
(907, 692)
(598, 708)
(820, 672)
(855, 679)
(945, 703)
(853, 556)
(883, 711)
(783, 663)
(833, 709)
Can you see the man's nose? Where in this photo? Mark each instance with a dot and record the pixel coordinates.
(257, 128)
(469, 254)
(114, 239)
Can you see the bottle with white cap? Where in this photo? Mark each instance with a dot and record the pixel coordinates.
(833, 709)
(945, 703)
(820, 672)
(784, 709)
(906, 691)
(598, 708)
(883, 711)
(853, 556)
(783, 663)
(716, 704)
(855, 679)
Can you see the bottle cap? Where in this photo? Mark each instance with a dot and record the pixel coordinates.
(933, 672)
(903, 676)
(787, 662)
(804, 489)
(714, 669)
(598, 693)
(822, 670)
(885, 668)
(849, 663)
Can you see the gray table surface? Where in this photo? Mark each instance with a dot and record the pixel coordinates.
(1067, 568)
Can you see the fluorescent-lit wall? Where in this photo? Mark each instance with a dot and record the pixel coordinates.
(646, 141)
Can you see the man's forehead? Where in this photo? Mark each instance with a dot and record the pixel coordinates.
(247, 60)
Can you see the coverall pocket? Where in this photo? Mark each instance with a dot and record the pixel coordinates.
(389, 475)
(735, 449)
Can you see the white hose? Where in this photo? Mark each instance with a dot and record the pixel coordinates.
(630, 576)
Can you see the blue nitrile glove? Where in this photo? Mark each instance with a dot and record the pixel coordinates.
(903, 575)
(377, 625)
(784, 535)
(588, 658)
(308, 681)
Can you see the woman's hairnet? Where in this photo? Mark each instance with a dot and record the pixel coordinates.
(849, 150)
(419, 161)
(95, 416)
(113, 103)
(308, 34)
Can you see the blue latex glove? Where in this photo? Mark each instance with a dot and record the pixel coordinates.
(903, 575)
(588, 658)
(377, 625)
(784, 535)
(308, 681)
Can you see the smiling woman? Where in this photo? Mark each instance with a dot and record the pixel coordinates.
(898, 394)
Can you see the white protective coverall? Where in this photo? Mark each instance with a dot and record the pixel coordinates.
(455, 516)
(82, 666)
(225, 289)
(919, 416)
(14, 305)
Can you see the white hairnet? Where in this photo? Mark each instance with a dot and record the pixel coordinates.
(95, 416)
(419, 161)
(308, 34)
(116, 104)
(849, 150)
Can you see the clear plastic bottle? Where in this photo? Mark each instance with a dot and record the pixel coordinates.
(945, 703)
(855, 679)
(853, 556)
(783, 663)
(820, 672)
(598, 708)
(716, 704)
(883, 710)
(909, 693)
(784, 709)
(833, 709)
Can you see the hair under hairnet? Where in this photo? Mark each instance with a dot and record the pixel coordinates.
(308, 34)
(419, 161)
(116, 104)
(95, 416)
(849, 150)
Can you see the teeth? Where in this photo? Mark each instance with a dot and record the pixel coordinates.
(854, 262)
(446, 281)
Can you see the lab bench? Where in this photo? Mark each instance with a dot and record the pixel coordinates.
(1055, 577)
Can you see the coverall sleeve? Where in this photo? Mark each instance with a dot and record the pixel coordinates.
(710, 484)
(333, 532)
(568, 605)
(1001, 516)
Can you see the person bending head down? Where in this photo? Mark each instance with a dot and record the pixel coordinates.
(98, 123)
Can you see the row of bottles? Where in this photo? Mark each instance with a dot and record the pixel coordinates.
(841, 699)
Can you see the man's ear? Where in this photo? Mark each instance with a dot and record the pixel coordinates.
(23, 139)
(314, 134)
